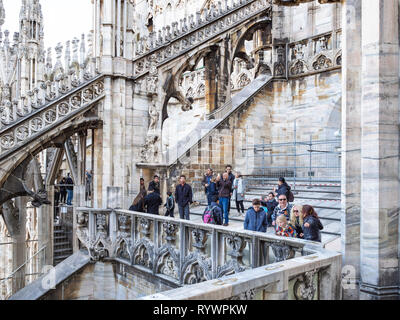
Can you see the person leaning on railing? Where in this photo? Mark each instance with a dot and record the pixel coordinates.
(256, 218)
(296, 219)
(312, 226)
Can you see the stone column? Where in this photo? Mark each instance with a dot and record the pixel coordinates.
(351, 141)
(45, 230)
(380, 150)
(19, 247)
(210, 64)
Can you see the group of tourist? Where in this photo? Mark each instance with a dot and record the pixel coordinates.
(64, 191)
(272, 211)
(150, 200)
(288, 220)
(221, 189)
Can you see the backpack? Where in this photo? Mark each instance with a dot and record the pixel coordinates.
(210, 217)
(289, 195)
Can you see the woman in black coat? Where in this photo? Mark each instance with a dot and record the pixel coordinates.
(283, 188)
(312, 226)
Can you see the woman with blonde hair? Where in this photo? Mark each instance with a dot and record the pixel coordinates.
(296, 219)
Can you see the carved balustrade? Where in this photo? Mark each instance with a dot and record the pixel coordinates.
(77, 69)
(173, 40)
(32, 125)
(317, 54)
(182, 251)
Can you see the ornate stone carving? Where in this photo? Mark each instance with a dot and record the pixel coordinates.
(322, 62)
(196, 268)
(145, 227)
(143, 253)
(299, 67)
(305, 288)
(247, 295)
(170, 230)
(154, 116)
(17, 133)
(178, 41)
(200, 238)
(282, 252)
(167, 261)
(123, 251)
(124, 225)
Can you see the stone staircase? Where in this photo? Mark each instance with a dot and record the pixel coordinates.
(62, 245)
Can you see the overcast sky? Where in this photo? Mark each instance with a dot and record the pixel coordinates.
(63, 19)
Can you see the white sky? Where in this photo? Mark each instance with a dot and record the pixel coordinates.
(63, 19)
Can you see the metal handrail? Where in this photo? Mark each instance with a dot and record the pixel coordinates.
(24, 264)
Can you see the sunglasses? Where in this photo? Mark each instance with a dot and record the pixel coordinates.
(282, 199)
(295, 210)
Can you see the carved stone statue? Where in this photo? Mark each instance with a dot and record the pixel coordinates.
(154, 115)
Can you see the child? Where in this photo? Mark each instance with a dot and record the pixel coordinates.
(284, 229)
(170, 205)
(213, 213)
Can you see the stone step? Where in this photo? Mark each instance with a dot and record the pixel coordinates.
(57, 252)
(62, 244)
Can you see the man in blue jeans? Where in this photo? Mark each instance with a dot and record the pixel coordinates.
(224, 188)
(70, 189)
(183, 197)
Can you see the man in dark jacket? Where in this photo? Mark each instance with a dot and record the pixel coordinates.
(183, 197)
(63, 190)
(270, 203)
(256, 218)
(155, 184)
(152, 201)
(206, 184)
(231, 177)
(70, 189)
(225, 191)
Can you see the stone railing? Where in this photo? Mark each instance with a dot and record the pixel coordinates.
(180, 251)
(317, 54)
(76, 69)
(34, 124)
(312, 277)
(174, 41)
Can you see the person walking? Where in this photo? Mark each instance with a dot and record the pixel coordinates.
(88, 187)
(152, 201)
(256, 218)
(284, 188)
(207, 184)
(155, 184)
(63, 190)
(283, 208)
(224, 189)
(170, 205)
(231, 177)
(183, 197)
(70, 189)
(312, 225)
(270, 203)
(239, 192)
